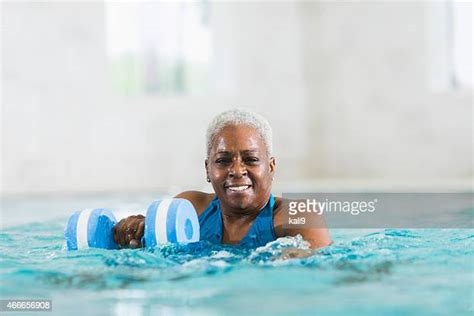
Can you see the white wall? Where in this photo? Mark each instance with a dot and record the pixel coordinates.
(347, 88)
(383, 111)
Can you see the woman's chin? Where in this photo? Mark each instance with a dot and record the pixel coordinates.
(239, 199)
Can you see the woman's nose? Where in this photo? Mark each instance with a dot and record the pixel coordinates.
(238, 169)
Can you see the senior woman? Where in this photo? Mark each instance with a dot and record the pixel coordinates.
(242, 211)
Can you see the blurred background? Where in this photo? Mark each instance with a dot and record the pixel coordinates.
(104, 97)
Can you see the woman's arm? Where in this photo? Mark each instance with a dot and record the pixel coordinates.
(314, 229)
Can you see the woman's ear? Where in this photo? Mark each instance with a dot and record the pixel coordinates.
(272, 165)
(206, 164)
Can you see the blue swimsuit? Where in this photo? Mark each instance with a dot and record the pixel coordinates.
(259, 234)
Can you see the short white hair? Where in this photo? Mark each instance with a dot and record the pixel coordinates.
(240, 117)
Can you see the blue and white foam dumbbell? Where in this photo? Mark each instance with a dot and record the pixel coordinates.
(167, 221)
(90, 228)
(171, 221)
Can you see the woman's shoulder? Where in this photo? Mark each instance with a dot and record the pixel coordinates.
(200, 200)
(280, 214)
(280, 204)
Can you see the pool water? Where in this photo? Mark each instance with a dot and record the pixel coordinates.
(369, 272)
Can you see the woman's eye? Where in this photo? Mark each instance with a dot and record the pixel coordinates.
(222, 160)
(252, 159)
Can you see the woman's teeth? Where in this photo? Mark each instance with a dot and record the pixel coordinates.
(240, 188)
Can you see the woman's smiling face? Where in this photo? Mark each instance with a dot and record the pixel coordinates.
(240, 170)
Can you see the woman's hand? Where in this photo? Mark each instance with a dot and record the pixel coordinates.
(128, 232)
